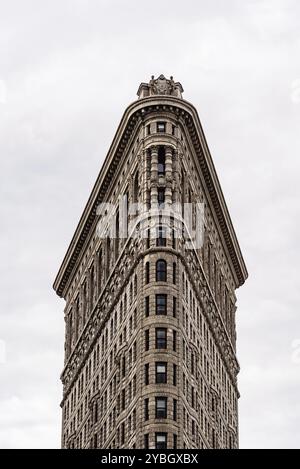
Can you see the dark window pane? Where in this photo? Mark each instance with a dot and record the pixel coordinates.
(147, 272)
(161, 372)
(161, 161)
(174, 409)
(161, 271)
(174, 307)
(147, 373)
(161, 304)
(161, 196)
(161, 238)
(146, 340)
(161, 407)
(146, 409)
(147, 306)
(174, 375)
(161, 338)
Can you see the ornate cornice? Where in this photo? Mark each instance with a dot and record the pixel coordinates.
(133, 115)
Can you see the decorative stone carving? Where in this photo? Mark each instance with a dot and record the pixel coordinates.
(160, 86)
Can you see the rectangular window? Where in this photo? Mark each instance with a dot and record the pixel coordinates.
(147, 306)
(161, 167)
(173, 129)
(161, 372)
(146, 441)
(175, 409)
(147, 273)
(173, 239)
(160, 440)
(174, 306)
(146, 340)
(161, 407)
(174, 375)
(174, 273)
(174, 340)
(161, 338)
(174, 441)
(146, 409)
(147, 374)
(161, 127)
(161, 304)
(148, 238)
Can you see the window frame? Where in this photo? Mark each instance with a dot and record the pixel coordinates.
(161, 309)
(161, 127)
(161, 377)
(161, 274)
(161, 343)
(162, 411)
(161, 445)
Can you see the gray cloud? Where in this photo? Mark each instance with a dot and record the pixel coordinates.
(67, 71)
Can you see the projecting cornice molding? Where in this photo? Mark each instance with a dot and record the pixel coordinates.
(134, 114)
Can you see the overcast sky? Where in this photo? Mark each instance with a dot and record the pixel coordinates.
(68, 69)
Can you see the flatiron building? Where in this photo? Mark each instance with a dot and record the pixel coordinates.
(149, 284)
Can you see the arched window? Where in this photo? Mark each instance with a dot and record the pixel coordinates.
(161, 271)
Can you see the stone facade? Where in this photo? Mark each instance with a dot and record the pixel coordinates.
(150, 343)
